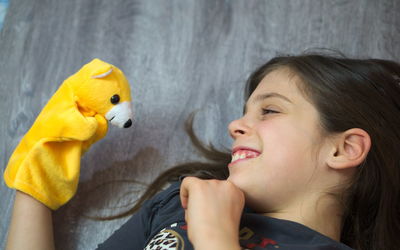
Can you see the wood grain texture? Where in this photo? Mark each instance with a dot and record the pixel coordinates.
(179, 56)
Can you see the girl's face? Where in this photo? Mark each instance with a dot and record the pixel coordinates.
(278, 135)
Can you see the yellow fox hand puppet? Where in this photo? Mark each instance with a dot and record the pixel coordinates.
(46, 162)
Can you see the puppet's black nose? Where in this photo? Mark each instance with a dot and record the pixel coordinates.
(128, 123)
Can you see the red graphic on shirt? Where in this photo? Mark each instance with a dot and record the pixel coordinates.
(251, 240)
(248, 238)
(264, 242)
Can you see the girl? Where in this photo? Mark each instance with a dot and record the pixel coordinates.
(313, 165)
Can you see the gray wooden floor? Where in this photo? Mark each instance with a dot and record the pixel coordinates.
(179, 56)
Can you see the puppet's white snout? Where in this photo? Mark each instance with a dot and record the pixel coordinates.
(121, 115)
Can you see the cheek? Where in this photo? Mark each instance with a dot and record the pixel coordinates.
(286, 150)
(281, 142)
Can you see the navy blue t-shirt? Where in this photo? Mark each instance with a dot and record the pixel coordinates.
(160, 224)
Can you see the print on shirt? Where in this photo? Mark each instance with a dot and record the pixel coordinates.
(250, 240)
(166, 239)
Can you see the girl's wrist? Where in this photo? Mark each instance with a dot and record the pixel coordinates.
(220, 240)
(31, 224)
(220, 245)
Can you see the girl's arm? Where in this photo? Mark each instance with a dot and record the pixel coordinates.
(31, 225)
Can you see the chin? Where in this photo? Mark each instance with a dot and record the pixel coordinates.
(239, 182)
(245, 187)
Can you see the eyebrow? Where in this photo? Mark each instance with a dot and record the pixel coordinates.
(262, 97)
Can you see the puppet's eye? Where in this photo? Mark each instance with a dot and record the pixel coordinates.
(115, 99)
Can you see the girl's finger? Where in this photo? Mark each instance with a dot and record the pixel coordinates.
(184, 191)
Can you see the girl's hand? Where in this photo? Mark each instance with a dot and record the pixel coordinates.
(213, 209)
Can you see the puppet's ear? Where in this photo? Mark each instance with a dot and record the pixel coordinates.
(101, 69)
(101, 73)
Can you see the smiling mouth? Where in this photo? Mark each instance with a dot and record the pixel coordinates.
(242, 155)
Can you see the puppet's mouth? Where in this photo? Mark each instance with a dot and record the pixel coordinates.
(121, 115)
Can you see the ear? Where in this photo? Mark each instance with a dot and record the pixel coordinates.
(99, 68)
(102, 73)
(350, 149)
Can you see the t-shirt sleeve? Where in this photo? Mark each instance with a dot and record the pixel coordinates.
(135, 232)
(132, 234)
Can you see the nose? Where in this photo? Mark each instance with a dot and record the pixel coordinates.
(128, 123)
(237, 128)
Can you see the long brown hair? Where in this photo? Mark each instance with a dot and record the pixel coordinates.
(348, 93)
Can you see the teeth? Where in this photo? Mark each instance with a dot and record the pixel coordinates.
(243, 155)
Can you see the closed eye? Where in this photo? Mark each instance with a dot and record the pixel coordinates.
(269, 111)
